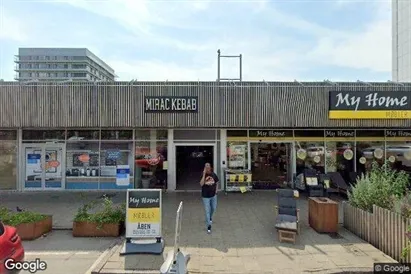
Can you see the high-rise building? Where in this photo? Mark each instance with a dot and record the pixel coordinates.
(401, 40)
(60, 64)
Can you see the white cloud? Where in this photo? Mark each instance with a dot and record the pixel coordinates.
(11, 28)
(367, 49)
(268, 54)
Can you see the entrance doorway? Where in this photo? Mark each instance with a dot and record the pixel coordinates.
(190, 164)
(43, 166)
(270, 164)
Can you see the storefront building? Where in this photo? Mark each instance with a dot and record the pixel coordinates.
(85, 136)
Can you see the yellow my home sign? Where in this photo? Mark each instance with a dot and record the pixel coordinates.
(369, 105)
(143, 216)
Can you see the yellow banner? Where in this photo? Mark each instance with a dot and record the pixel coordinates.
(232, 178)
(241, 178)
(369, 114)
(141, 215)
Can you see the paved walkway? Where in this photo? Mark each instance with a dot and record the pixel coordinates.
(65, 254)
(243, 239)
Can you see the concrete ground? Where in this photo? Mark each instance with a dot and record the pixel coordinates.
(243, 239)
(65, 254)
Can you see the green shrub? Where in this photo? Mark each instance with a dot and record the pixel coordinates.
(402, 205)
(12, 218)
(378, 187)
(104, 213)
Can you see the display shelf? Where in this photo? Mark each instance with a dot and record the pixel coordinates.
(235, 180)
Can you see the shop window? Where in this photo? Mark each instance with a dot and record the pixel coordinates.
(369, 149)
(367, 153)
(8, 160)
(79, 135)
(151, 134)
(151, 164)
(340, 157)
(44, 135)
(113, 157)
(398, 155)
(310, 155)
(8, 135)
(117, 135)
(82, 165)
(270, 164)
(237, 155)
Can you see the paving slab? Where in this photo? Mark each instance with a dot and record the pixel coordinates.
(243, 240)
(247, 243)
(65, 254)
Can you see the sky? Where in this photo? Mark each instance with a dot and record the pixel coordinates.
(306, 40)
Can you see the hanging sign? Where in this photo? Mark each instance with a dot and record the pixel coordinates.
(271, 133)
(143, 213)
(123, 175)
(339, 134)
(301, 154)
(378, 153)
(171, 104)
(391, 159)
(398, 134)
(348, 154)
(369, 105)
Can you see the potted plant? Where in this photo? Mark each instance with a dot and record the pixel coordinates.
(29, 225)
(98, 220)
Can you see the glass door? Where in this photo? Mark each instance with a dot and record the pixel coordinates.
(43, 166)
(33, 166)
(53, 171)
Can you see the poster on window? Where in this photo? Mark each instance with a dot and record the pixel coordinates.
(123, 175)
(236, 156)
(33, 163)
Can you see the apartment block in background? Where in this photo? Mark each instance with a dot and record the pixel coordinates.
(401, 40)
(60, 64)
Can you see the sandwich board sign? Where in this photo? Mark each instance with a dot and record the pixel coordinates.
(143, 221)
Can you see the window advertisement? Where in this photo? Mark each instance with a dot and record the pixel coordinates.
(370, 147)
(83, 159)
(340, 158)
(116, 162)
(53, 166)
(151, 164)
(237, 157)
(8, 160)
(398, 149)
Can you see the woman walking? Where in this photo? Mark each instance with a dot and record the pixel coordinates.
(209, 182)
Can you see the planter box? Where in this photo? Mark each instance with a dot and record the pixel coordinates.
(47, 224)
(86, 229)
(32, 231)
(382, 228)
